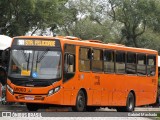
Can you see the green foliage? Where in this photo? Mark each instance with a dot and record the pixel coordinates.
(82, 19)
(20, 16)
(87, 29)
(132, 14)
(149, 39)
(130, 22)
(15, 17)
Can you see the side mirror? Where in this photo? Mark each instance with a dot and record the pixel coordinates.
(71, 59)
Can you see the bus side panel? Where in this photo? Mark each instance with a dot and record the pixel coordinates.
(121, 85)
(67, 96)
(97, 88)
(106, 87)
(70, 91)
(118, 90)
(143, 87)
(84, 82)
(110, 89)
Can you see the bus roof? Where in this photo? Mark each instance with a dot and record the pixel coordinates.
(98, 44)
(92, 43)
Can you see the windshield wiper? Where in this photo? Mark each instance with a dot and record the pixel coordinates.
(26, 58)
(24, 55)
(42, 55)
(28, 62)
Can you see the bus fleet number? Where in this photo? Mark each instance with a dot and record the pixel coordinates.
(97, 80)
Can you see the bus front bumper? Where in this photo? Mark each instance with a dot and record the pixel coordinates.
(55, 98)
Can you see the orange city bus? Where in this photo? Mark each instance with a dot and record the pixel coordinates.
(82, 74)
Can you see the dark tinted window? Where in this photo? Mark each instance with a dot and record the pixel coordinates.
(120, 62)
(151, 65)
(97, 63)
(141, 64)
(109, 61)
(131, 58)
(69, 61)
(131, 63)
(84, 59)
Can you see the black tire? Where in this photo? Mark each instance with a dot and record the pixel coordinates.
(91, 108)
(80, 102)
(32, 107)
(3, 102)
(120, 109)
(130, 104)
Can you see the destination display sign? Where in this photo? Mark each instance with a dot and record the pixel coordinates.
(36, 42)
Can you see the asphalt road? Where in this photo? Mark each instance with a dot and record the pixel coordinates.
(23, 108)
(63, 112)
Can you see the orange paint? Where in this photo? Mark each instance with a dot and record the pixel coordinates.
(102, 89)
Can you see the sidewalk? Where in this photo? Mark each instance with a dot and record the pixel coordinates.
(147, 109)
(139, 109)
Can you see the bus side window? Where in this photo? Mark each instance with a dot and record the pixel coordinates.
(69, 61)
(97, 61)
(141, 64)
(131, 63)
(120, 62)
(108, 58)
(151, 65)
(85, 56)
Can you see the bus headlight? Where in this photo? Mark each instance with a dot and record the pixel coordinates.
(10, 89)
(53, 90)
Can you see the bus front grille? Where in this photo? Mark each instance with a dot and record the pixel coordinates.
(30, 83)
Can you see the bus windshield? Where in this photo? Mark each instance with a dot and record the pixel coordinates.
(36, 64)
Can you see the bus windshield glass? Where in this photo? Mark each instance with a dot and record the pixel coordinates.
(36, 64)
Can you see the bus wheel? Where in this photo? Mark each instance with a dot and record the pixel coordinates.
(32, 107)
(80, 102)
(129, 105)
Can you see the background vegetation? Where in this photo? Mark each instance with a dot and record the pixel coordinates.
(131, 22)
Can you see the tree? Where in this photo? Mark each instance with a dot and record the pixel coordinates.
(79, 20)
(16, 16)
(21, 16)
(47, 14)
(150, 40)
(132, 16)
(122, 21)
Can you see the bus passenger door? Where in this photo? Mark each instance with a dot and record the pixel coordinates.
(69, 74)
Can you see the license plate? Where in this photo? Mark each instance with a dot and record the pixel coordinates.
(29, 98)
